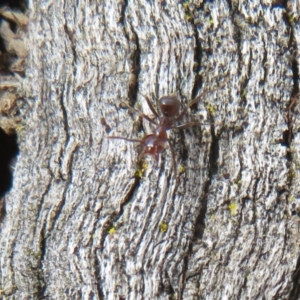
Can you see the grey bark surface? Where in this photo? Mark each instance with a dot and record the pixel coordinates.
(81, 223)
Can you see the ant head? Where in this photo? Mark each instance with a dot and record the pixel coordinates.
(153, 146)
(169, 106)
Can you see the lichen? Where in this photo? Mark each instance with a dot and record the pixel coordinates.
(139, 172)
(233, 208)
(112, 230)
(163, 227)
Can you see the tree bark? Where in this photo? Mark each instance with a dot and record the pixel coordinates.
(85, 220)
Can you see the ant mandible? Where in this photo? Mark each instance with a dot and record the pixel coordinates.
(155, 143)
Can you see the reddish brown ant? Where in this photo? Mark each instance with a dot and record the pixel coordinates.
(155, 143)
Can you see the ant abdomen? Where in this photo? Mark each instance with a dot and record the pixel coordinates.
(153, 146)
(169, 106)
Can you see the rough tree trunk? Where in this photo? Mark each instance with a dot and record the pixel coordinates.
(85, 221)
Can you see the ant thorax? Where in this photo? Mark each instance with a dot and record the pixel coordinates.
(161, 130)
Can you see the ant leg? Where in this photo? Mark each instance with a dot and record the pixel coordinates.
(191, 124)
(173, 158)
(142, 115)
(145, 116)
(197, 99)
(123, 138)
(151, 106)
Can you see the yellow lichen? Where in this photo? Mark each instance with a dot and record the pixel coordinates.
(185, 5)
(291, 198)
(187, 11)
(188, 17)
(139, 172)
(211, 109)
(233, 208)
(163, 227)
(19, 128)
(181, 169)
(291, 18)
(292, 174)
(112, 230)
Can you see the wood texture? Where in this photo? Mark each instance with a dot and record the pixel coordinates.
(85, 221)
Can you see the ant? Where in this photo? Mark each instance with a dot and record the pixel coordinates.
(155, 143)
